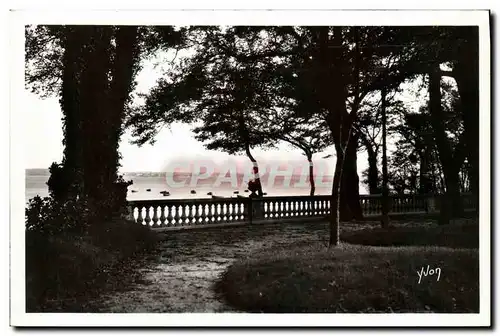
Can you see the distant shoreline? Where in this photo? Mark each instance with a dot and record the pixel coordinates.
(45, 172)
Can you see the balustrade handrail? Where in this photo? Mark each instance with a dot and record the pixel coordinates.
(272, 198)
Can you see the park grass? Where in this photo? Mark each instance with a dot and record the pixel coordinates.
(309, 278)
(64, 272)
(465, 234)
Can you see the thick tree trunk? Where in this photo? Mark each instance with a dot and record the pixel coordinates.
(335, 201)
(451, 162)
(97, 117)
(466, 73)
(373, 177)
(70, 178)
(311, 174)
(350, 206)
(425, 182)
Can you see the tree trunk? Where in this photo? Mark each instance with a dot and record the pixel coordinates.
(255, 169)
(70, 181)
(350, 206)
(311, 174)
(425, 182)
(451, 162)
(385, 191)
(97, 116)
(373, 177)
(466, 73)
(335, 201)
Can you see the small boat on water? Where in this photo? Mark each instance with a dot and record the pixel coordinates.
(193, 191)
(236, 192)
(148, 189)
(165, 193)
(209, 193)
(246, 190)
(134, 191)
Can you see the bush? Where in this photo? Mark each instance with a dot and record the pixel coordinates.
(66, 272)
(48, 216)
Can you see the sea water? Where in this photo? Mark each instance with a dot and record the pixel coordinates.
(37, 185)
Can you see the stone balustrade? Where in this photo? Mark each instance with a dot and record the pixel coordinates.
(188, 213)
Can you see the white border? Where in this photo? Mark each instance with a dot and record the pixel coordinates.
(323, 17)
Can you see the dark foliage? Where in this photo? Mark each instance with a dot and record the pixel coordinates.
(48, 216)
(66, 272)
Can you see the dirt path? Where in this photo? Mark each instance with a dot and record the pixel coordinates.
(181, 276)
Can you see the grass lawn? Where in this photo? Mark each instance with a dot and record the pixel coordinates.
(361, 279)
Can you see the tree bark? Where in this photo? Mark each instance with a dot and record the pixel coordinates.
(71, 174)
(385, 191)
(311, 174)
(335, 200)
(255, 169)
(373, 177)
(350, 206)
(451, 162)
(466, 73)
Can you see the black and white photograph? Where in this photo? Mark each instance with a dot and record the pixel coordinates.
(251, 168)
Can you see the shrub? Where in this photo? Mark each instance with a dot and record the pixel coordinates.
(48, 216)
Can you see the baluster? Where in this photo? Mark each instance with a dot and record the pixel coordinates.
(225, 211)
(147, 220)
(193, 214)
(222, 212)
(184, 215)
(187, 214)
(203, 213)
(235, 212)
(177, 216)
(243, 214)
(140, 217)
(214, 213)
(231, 209)
(210, 213)
(197, 214)
(170, 218)
(162, 216)
(154, 221)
